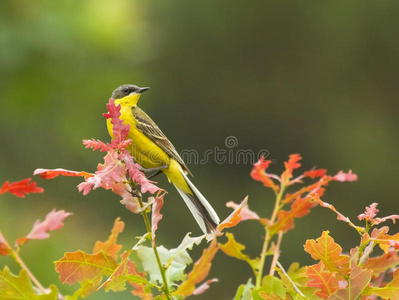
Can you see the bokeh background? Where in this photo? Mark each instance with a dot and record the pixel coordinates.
(315, 78)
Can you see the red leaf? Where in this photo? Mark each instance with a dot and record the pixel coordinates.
(4, 246)
(259, 173)
(156, 216)
(52, 173)
(40, 230)
(341, 176)
(315, 173)
(20, 188)
(119, 130)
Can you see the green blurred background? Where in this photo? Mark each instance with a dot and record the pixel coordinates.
(319, 78)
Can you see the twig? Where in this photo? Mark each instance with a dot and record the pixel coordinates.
(289, 278)
(276, 254)
(154, 248)
(268, 236)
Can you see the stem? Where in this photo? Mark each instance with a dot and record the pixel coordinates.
(154, 248)
(20, 262)
(268, 236)
(276, 254)
(262, 259)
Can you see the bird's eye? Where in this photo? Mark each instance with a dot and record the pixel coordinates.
(125, 91)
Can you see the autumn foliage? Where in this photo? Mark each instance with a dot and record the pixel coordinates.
(160, 273)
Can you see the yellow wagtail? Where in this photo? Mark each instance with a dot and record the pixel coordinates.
(152, 149)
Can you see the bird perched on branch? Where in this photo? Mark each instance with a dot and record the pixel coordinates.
(153, 150)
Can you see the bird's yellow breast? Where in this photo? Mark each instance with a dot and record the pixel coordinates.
(144, 150)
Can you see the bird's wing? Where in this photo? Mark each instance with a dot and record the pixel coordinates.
(147, 126)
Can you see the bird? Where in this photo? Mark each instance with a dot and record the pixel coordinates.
(152, 150)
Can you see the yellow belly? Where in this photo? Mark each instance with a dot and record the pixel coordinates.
(147, 153)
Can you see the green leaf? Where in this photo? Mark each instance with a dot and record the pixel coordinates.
(244, 291)
(20, 287)
(270, 285)
(234, 249)
(295, 276)
(187, 244)
(175, 268)
(390, 291)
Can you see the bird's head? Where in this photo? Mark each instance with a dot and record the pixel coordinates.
(128, 93)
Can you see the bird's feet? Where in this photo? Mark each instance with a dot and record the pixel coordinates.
(157, 170)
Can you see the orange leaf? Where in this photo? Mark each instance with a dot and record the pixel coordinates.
(358, 279)
(325, 249)
(382, 263)
(285, 219)
(259, 173)
(235, 217)
(199, 272)
(80, 267)
(52, 173)
(290, 166)
(310, 189)
(20, 188)
(386, 241)
(110, 247)
(321, 279)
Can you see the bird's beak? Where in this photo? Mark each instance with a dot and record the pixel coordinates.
(143, 89)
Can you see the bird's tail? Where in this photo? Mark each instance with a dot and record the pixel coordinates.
(202, 211)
